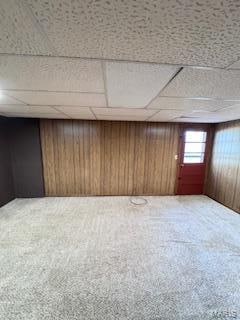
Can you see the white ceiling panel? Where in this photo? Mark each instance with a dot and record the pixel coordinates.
(77, 112)
(166, 115)
(51, 74)
(121, 118)
(38, 115)
(235, 65)
(19, 32)
(82, 116)
(189, 104)
(51, 51)
(60, 98)
(135, 84)
(72, 110)
(26, 109)
(201, 82)
(231, 113)
(167, 31)
(227, 114)
(197, 120)
(5, 99)
(123, 112)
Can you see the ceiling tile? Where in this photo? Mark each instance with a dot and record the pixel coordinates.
(60, 98)
(38, 115)
(19, 33)
(77, 111)
(51, 74)
(168, 31)
(82, 116)
(123, 112)
(166, 115)
(135, 84)
(232, 113)
(26, 109)
(235, 65)
(5, 99)
(202, 82)
(196, 120)
(227, 114)
(121, 118)
(189, 104)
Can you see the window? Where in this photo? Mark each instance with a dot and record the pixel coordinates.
(195, 145)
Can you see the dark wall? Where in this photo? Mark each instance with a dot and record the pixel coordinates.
(21, 174)
(6, 181)
(26, 158)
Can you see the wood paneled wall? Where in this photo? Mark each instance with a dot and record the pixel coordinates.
(223, 182)
(108, 157)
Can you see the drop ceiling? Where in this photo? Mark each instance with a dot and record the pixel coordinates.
(129, 60)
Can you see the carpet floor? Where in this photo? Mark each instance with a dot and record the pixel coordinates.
(105, 258)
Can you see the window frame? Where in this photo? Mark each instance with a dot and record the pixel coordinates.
(184, 143)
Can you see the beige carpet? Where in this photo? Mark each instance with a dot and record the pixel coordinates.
(104, 258)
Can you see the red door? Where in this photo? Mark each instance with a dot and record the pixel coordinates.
(192, 162)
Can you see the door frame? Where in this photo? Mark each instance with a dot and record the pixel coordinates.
(209, 128)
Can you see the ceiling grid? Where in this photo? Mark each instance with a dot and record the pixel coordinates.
(178, 61)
